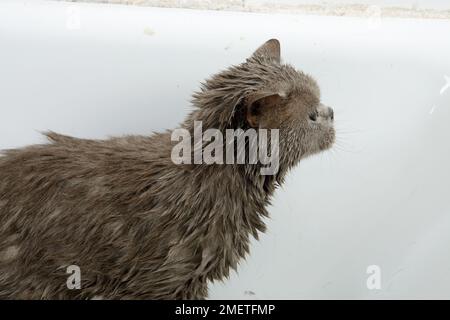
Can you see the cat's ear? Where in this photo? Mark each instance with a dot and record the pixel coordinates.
(261, 105)
(270, 49)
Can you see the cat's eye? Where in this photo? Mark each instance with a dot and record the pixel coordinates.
(313, 116)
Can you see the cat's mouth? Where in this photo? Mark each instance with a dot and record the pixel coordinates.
(328, 140)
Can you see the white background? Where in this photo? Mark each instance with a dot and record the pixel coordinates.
(381, 197)
(434, 4)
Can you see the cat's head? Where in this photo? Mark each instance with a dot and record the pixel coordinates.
(265, 93)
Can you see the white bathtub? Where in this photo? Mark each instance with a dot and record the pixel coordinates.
(381, 197)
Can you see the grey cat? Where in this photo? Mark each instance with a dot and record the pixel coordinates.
(138, 225)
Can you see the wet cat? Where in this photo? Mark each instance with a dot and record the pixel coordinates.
(138, 225)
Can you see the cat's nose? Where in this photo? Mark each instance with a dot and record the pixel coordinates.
(330, 113)
(326, 112)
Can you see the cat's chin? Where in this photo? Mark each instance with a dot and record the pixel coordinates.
(327, 141)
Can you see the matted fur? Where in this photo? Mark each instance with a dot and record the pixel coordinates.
(138, 225)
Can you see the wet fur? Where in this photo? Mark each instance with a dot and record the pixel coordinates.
(139, 226)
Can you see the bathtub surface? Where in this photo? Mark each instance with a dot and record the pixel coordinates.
(380, 197)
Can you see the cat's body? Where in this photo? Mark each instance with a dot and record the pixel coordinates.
(110, 208)
(137, 224)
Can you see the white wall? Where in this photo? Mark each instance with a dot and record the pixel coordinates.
(381, 197)
(435, 4)
(276, 5)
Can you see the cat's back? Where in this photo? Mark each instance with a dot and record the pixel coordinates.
(77, 176)
(66, 157)
(79, 170)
